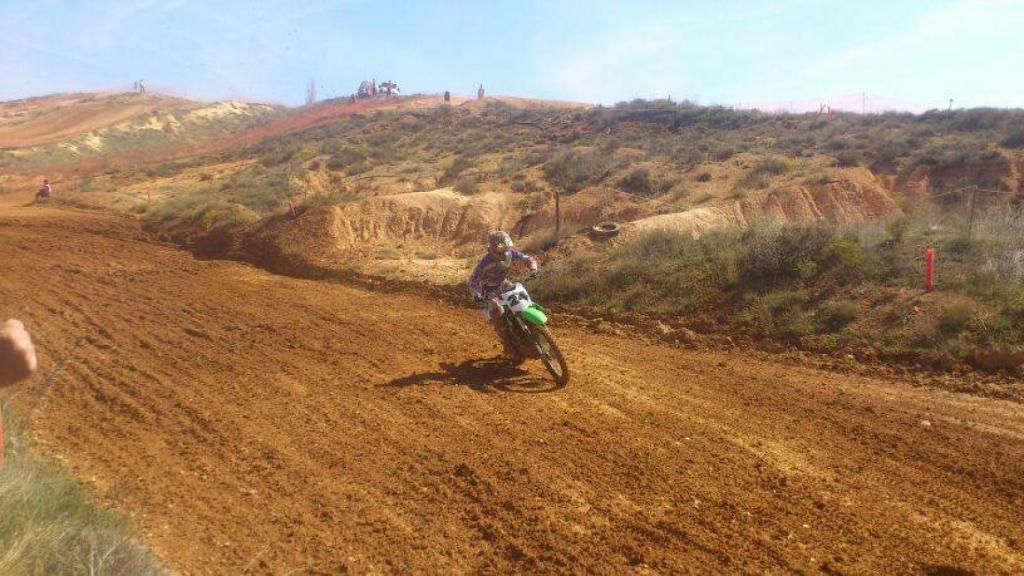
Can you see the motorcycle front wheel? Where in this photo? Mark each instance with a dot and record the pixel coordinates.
(550, 355)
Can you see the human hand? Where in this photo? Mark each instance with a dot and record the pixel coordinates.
(17, 355)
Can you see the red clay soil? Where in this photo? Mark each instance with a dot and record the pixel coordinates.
(258, 423)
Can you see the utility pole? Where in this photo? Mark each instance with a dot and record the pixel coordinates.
(863, 102)
(950, 109)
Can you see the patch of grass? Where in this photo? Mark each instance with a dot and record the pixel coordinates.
(639, 182)
(820, 178)
(524, 186)
(759, 176)
(573, 170)
(455, 169)
(387, 254)
(836, 315)
(848, 159)
(1014, 140)
(49, 526)
(467, 185)
(343, 156)
(955, 317)
(723, 153)
(792, 282)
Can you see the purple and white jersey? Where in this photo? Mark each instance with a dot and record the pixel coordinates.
(493, 270)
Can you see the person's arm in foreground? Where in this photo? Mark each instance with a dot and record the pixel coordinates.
(17, 361)
(17, 355)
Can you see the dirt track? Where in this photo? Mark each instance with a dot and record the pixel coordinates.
(262, 423)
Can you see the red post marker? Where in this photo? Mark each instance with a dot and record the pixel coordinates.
(929, 269)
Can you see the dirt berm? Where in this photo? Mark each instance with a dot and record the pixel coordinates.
(257, 423)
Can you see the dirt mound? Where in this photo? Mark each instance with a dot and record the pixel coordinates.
(943, 184)
(61, 117)
(330, 236)
(442, 215)
(254, 423)
(853, 195)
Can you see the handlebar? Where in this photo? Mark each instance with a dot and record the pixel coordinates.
(525, 279)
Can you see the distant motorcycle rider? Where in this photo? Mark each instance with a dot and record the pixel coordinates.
(44, 191)
(485, 282)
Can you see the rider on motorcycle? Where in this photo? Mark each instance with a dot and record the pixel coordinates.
(485, 282)
(43, 194)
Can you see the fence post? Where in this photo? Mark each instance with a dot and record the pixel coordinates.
(929, 269)
(970, 220)
(558, 215)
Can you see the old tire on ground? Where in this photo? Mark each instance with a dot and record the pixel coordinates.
(604, 230)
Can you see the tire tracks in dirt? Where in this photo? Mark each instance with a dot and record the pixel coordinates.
(260, 423)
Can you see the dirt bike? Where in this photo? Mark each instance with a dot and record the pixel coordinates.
(528, 331)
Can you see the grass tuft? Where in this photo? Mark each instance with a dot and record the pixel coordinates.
(49, 526)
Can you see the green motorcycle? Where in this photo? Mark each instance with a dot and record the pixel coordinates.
(528, 330)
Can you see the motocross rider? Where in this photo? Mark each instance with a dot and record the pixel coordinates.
(485, 283)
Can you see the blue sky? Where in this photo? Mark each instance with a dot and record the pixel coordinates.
(728, 52)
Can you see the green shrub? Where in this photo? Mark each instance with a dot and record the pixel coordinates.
(848, 158)
(573, 170)
(955, 317)
(467, 185)
(758, 176)
(459, 165)
(774, 255)
(358, 168)
(836, 315)
(638, 181)
(896, 230)
(1015, 139)
(723, 153)
(847, 258)
(782, 314)
(524, 186)
(344, 157)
